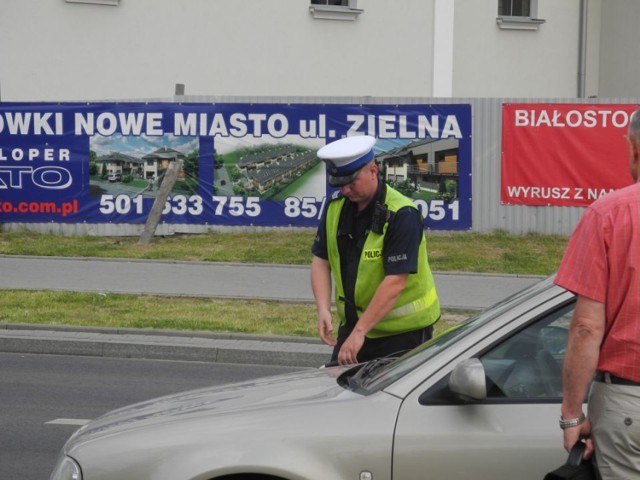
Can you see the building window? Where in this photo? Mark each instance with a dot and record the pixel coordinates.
(96, 2)
(338, 3)
(514, 8)
(518, 15)
(334, 9)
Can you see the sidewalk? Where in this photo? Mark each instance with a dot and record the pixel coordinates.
(199, 279)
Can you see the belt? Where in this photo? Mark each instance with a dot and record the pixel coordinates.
(606, 377)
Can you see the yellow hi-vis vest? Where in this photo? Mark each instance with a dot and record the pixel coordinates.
(417, 306)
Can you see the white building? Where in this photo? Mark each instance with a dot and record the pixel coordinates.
(67, 50)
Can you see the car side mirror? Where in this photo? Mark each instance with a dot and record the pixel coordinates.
(468, 381)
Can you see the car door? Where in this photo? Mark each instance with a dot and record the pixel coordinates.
(513, 433)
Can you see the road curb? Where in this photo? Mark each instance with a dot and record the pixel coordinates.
(163, 345)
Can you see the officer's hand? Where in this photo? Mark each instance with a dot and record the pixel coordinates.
(325, 328)
(350, 348)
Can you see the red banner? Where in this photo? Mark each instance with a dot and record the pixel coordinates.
(563, 154)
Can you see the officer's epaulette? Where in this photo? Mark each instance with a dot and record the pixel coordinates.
(336, 195)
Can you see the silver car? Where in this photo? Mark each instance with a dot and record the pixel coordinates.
(481, 401)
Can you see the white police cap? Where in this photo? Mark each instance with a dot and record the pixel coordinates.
(345, 158)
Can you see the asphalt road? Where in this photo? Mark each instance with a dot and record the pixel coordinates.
(223, 280)
(45, 398)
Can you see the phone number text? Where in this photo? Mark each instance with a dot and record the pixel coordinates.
(293, 207)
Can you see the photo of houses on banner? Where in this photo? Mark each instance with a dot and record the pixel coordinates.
(136, 166)
(268, 168)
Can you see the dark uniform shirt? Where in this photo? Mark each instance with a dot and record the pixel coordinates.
(400, 248)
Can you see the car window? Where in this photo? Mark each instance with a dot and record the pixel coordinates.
(395, 370)
(528, 365)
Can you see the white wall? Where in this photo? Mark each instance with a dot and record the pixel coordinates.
(56, 51)
(491, 62)
(51, 50)
(619, 54)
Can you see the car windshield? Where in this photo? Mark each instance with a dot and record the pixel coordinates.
(388, 373)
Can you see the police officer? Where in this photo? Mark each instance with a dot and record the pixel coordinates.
(371, 242)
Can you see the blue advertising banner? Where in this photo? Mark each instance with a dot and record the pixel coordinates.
(242, 164)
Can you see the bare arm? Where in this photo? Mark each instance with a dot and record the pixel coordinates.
(382, 302)
(583, 350)
(321, 286)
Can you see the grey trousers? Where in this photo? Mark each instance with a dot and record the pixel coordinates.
(614, 411)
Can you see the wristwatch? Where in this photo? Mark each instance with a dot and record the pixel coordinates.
(572, 422)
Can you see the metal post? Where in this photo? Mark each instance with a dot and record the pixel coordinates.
(582, 49)
(158, 205)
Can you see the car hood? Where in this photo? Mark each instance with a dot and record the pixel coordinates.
(282, 392)
(283, 426)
